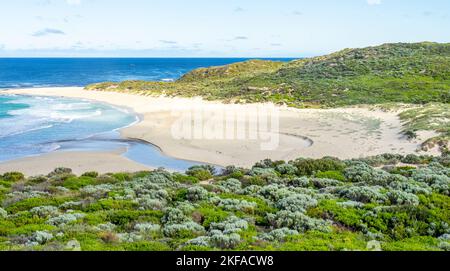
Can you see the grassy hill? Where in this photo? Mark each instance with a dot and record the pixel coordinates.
(410, 73)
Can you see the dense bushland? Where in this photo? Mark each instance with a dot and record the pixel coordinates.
(376, 203)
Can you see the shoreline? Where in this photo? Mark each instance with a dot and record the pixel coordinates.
(311, 133)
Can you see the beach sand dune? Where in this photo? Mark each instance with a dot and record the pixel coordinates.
(313, 133)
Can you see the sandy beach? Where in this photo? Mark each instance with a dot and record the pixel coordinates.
(313, 133)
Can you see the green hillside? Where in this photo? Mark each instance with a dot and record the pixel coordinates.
(410, 73)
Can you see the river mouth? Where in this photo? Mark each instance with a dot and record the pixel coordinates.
(136, 150)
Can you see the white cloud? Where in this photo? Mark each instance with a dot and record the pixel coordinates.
(73, 2)
(374, 2)
(48, 31)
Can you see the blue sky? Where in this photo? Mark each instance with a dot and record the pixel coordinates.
(218, 28)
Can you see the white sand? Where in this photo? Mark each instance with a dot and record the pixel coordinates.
(79, 162)
(343, 133)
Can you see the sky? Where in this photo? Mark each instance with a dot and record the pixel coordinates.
(214, 28)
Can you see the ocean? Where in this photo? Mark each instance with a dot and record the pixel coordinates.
(34, 125)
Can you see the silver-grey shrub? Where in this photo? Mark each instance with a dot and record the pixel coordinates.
(278, 235)
(147, 227)
(174, 216)
(64, 219)
(224, 241)
(231, 185)
(175, 230)
(232, 224)
(298, 221)
(265, 172)
(237, 205)
(300, 182)
(41, 237)
(197, 193)
(365, 194)
(3, 213)
(402, 198)
(296, 203)
(45, 211)
(287, 169)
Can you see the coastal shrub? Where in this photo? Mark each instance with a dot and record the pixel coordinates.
(364, 194)
(212, 215)
(324, 183)
(411, 186)
(109, 204)
(298, 221)
(174, 216)
(40, 238)
(185, 179)
(308, 167)
(127, 237)
(224, 241)
(296, 203)
(121, 177)
(300, 182)
(183, 230)
(286, 169)
(60, 171)
(361, 172)
(263, 172)
(436, 176)
(37, 180)
(3, 213)
(275, 192)
(147, 228)
(92, 174)
(13, 177)
(71, 205)
(334, 175)
(29, 203)
(65, 219)
(346, 213)
(402, 198)
(253, 180)
(202, 173)
(201, 241)
(45, 211)
(97, 191)
(122, 217)
(145, 246)
(278, 235)
(197, 193)
(147, 202)
(75, 183)
(231, 185)
(232, 224)
(234, 172)
(237, 205)
(216, 239)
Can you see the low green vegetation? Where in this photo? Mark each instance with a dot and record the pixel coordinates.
(387, 202)
(416, 73)
(431, 117)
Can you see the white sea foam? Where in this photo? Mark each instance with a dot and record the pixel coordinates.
(44, 113)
